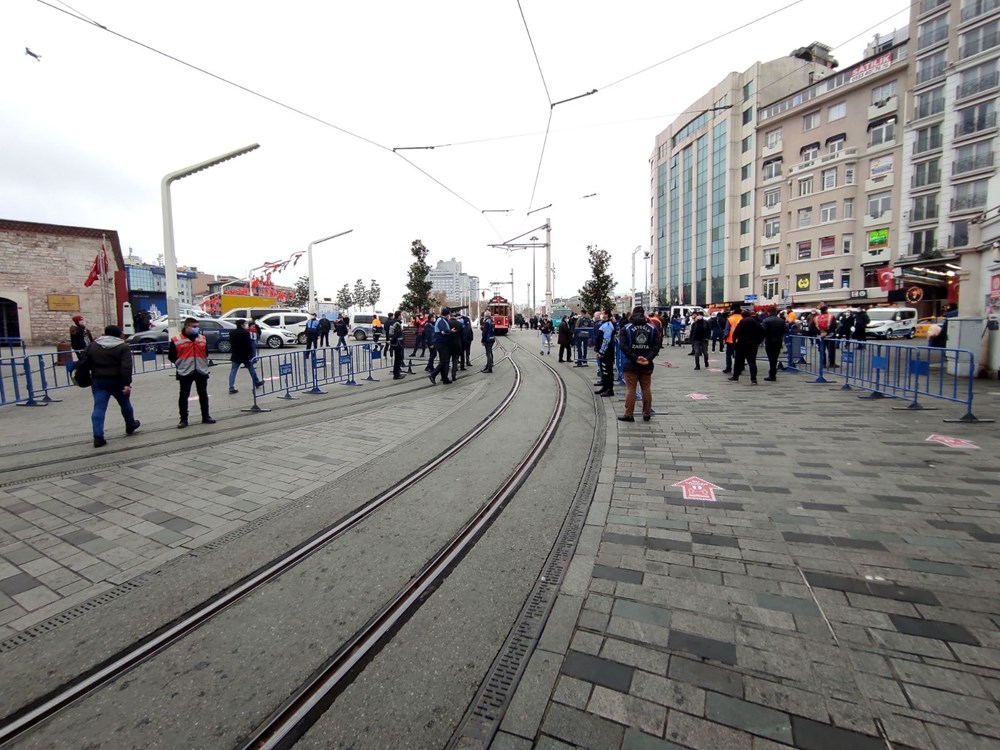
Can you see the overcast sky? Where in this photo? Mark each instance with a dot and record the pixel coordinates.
(88, 132)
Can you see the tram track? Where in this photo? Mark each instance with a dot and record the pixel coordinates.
(33, 715)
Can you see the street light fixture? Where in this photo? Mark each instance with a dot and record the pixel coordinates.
(169, 256)
(309, 256)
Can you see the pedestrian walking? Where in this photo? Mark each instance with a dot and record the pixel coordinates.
(189, 353)
(111, 378)
(488, 337)
(565, 339)
(427, 336)
(861, 321)
(735, 316)
(254, 330)
(640, 343)
(582, 336)
(596, 334)
(340, 328)
(324, 331)
(545, 335)
(826, 325)
(718, 331)
(396, 343)
(312, 332)
(774, 336)
(377, 330)
(242, 354)
(676, 326)
(455, 344)
(606, 354)
(442, 345)
(700, 334)
(468, 336)
(420, 340)
(79, 336)
(747, 336)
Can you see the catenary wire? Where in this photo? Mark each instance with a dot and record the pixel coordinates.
(535, 53)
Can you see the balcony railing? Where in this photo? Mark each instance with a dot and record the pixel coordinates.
(924, 214)
(968, 202)
(930, 73)
(932, 37)
(987, 41)
(928, 108)
(928, 144)
(925, 180)
(926, 6)
(975, 86)
(972, 8)
(983, 122)
(972, 163)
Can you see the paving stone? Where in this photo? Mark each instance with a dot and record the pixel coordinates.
(617, 574)
(690, 731)
(812, 735)
(18, 584)
(635, 655)
(944, 631)
(642, 612)
(938, 568)
(581, 729)
(597, 670)
(670, 693)
(788, 604)
(627, 710)
(572, 692)
(749, 717)
(717, 540)
(707, 676)
(949, 738)
(636, 740)
(963, 707)
(708, 648)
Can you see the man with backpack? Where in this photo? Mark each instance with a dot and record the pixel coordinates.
(110, 362)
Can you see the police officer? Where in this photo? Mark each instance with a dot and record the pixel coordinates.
(396, 342)
(640, 343)
(488, 337)
(189, 353)
(606, 354)
(442, 339)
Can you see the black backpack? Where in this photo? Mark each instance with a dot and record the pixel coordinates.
(82, 373)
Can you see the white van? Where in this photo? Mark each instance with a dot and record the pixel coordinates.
(290, 321)
(361, 325)
(256, 313)
(892, 322)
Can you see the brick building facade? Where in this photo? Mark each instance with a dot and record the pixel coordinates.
(42, 272)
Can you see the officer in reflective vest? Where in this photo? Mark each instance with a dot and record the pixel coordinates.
(189, 353)
(731, 322)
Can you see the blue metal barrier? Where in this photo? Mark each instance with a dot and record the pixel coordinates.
(11, 380)
(889, 370)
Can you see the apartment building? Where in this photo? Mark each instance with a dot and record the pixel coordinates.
(703, 179)
(828, 197)
(447, 276)
(950, 139)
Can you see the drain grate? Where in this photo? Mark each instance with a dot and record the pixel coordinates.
(482, 720)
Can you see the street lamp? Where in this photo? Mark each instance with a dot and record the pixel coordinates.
(309, 256)
(169, 256)
(534, 286)
(637, 249)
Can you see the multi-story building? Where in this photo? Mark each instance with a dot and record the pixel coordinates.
(703, 180)
(828, 198)
(447, 276)
(147, 288)
(950, 178)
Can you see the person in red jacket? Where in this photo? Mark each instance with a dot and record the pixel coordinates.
(189, 353)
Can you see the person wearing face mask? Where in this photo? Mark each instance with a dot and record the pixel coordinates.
(312, 332)
(189, 353)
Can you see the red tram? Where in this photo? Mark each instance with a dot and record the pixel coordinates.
(501, 310)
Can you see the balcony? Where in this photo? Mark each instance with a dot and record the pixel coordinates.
(881, 182)
(931, 38)
(928, 108)
(774, 239)
(874, 221)
(930, 73)
(972, 164)
(884, 107)
(923, 145)
(772, 149)
(979, 85)
(767, 210)
(844, 153)
(771, 177)
(770, 270)
(926, 6)
(802, 166)
(975, 8)
(977, 125)
(986, 42)
(968, 203)
(919, 182)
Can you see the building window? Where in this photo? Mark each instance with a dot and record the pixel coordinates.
(804, 250)
(848, 208)
(931, 67)
(810, 121)
(747, 143)
(772, 198)
(979, 39)
(805, 186)
(975, 119)
(772, 228)
(922, 241)
(805, 217)
(744, 280)
(871, 275)
(836, 112)
(827, 212)
(928, 139)
(836, 145)
(883, 131)
(772, 258)
(925, 207)
(933, 31)
(959, 234)
(927, 173)
(745, 226)
(827, 246)
(978, 79)
(847, 243)
(829, 178)
(745, 199)
(880, 165)
(974, 8)
(879, 204)
(747, 90)
(772, 169)
(747, 115)
(849, 175)
(969, 195)
(974, 156)
(770, 288)
(845, 278)
(744, 254)
(810, 152)
(825, 280)
(745, 171)
(883, 93)
(929, 103)
(772, 138)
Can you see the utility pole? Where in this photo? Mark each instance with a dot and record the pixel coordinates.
(548, 266)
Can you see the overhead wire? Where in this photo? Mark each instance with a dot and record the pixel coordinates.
(548, 96)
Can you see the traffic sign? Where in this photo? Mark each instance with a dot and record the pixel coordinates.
(952, 442)
(749, 297)
(694, 488)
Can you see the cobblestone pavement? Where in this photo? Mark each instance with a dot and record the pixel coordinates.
(840, 592)
(66, 539)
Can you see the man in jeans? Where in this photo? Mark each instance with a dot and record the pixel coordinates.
(111, 365)
(699, 339)
(242, 354)
(396, 343)
(640, 343)
(488, 337)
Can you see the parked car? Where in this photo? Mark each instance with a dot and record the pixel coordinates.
(185, 312)
(291, 321)
(924, 324)
(256, 313)
(892, 322)
(216, 333)
(276, 338)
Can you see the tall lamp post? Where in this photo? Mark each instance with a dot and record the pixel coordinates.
(309, 258)
(169, 256)
(637, 249)
(534, 285)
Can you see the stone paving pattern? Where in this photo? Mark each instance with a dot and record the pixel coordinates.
(67, 539)
(842, 592)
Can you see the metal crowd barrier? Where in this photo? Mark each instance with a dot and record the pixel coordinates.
(888, 370)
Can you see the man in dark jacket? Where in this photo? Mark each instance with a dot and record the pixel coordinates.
(640, 343)
(340, 328)
(79, 336)
(468, 336)
(111, 367)
(324, 331)
(442, 347)
(428, 340)
(242, 354)
(488, 337)
(456, 344)
(774, 335)
(700, 333)
(861, 321)
(747, 336)
(312, 332)
(565, 339)
(396, 344)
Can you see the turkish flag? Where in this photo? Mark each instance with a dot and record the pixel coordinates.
(886, 281)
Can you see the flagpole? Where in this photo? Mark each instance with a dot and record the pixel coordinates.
(102, 271)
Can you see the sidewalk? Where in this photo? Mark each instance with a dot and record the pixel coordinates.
(841, 591)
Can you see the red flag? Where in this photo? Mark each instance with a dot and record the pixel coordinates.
(886, 280)
(95, 272)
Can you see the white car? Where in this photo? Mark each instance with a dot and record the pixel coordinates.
(160, 323)
(275, 338)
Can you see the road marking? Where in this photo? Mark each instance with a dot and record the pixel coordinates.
(695, 488)
(952, 442)
(697, 397)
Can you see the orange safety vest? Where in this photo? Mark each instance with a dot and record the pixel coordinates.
(733, 321)
(192, 356)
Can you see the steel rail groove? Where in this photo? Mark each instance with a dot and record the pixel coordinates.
(42, 709)
(287, 725)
